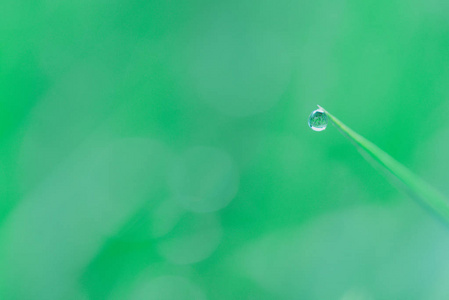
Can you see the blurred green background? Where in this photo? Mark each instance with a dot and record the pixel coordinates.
(160, 149)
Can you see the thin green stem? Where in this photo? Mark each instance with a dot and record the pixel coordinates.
(413, 184)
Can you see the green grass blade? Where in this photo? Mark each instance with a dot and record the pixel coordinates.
(413, 184)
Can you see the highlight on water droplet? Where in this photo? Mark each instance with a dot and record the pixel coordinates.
(318, 120)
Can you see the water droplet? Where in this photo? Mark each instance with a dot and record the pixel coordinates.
(318, 120)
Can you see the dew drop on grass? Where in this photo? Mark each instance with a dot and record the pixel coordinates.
(318, 120)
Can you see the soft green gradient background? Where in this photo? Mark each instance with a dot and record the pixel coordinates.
(160, 149)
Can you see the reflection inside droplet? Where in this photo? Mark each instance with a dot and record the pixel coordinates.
(318, 120)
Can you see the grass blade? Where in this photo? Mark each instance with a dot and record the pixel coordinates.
(412, 183)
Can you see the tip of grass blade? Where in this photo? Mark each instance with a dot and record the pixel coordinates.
(411, 183)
